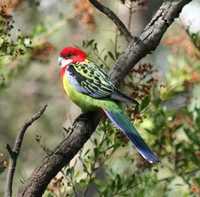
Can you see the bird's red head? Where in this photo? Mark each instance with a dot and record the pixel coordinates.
(70, 55)
(75, 54)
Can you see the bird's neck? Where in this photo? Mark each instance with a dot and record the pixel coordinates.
(62, 70)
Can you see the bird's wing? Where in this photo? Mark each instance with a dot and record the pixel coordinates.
(89, 79)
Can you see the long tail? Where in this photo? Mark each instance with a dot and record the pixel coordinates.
(123, 123)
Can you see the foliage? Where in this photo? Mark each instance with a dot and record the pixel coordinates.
(3, 163)
(10, 49)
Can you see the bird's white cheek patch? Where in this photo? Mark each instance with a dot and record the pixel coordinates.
(65, 62)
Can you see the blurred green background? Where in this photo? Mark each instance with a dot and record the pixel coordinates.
(33, 33)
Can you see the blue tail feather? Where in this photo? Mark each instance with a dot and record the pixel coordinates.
(123, 123)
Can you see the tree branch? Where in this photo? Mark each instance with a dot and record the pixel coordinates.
(14, 152)
(82, 129)
(149, 38)
(85, 124)
(110, 14)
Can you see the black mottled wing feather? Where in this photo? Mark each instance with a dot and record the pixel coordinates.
(91, 80)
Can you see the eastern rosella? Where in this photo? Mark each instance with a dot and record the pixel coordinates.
(90, 88)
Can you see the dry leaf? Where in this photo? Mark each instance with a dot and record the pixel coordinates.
(7, 6)
(84, 12)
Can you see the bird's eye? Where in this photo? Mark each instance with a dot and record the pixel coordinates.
(69, 55)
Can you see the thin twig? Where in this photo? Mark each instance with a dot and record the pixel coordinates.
(110, 14)
(116, 44)
(130, 16)
(14, 152)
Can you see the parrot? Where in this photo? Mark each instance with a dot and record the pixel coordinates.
(90, 87)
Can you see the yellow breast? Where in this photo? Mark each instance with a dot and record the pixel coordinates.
(86, 103)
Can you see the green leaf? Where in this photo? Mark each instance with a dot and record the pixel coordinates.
(145, 103)
(90, 42)
(192, 136)
(111, 55)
